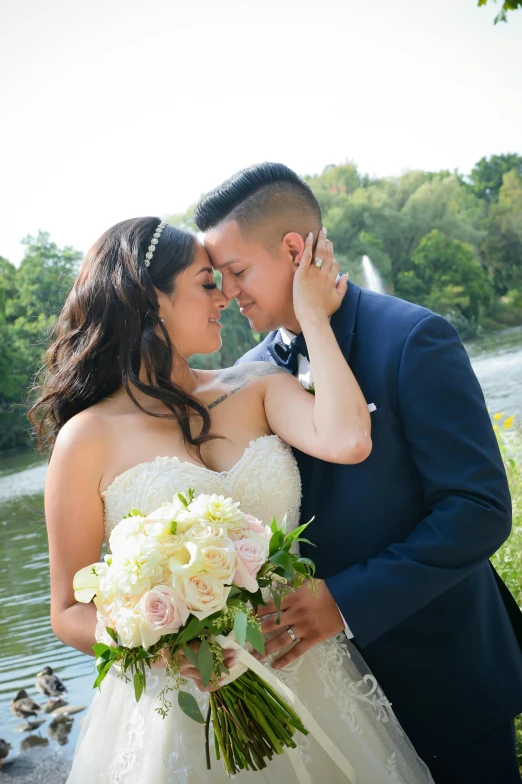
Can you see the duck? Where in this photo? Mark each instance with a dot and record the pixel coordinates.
(23, 706)
(4, 750)
(47, 683)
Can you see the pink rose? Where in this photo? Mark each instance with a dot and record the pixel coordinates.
(163, 610)
(252, 554)
(255, 525)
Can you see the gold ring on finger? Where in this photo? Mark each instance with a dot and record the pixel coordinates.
(318, 262)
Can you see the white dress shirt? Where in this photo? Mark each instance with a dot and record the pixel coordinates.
(304, 374)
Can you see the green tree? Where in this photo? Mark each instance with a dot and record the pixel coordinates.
(486, 177)
(502, 247)
(30, 299)
(508, 5)
(447, 278)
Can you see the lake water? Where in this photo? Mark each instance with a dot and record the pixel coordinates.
(27, 643)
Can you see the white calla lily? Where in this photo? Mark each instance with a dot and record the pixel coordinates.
(86, 583)
(187, 560)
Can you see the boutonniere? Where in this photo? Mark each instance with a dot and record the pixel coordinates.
(309, 387)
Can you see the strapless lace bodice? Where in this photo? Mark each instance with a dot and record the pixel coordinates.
(265, 481)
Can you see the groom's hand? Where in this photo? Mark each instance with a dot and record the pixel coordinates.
(312, 618)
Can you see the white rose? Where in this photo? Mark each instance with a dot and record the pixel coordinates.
(169, 543)
(128, 627)
(202, 594)
(187, 560)
(208, 533)
(220, 562)
(125, 530)
(216, 509)
(136, 567)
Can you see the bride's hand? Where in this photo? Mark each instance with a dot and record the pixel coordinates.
(188, 670)
(316, 289)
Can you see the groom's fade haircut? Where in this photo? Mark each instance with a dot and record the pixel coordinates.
(267, 200)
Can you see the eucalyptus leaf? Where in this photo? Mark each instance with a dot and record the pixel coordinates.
(205, 662)
(254, 637)
(240, 627)
(139, 684)
(187, 703)
(191, 655)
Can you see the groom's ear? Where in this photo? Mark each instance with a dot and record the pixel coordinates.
(292, 248)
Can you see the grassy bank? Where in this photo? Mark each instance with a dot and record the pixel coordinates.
(508, 560)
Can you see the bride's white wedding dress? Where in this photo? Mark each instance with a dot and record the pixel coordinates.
(124, 742)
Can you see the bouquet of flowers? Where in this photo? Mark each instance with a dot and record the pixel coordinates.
(194, 570)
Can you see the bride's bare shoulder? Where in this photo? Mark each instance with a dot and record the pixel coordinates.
(83, 439)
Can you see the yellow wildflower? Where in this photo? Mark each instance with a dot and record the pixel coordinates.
(496, 417)
(509, 422)
(495, 427)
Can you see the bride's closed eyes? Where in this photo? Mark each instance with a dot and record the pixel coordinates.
(209, 286)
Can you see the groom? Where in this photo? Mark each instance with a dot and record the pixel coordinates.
(403, 539)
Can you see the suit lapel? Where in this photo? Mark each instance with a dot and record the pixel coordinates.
(343, 326)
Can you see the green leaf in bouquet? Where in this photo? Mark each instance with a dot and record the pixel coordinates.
(256, 600)
(187, 703)
(276, 542)
(102, 672)
(101, 650)
(205, 662)
(301, 539)
(274, 526)
(183, 500)
(139, 684)
(240, 627)
(112, 633)
(292, 536)
(194, 627)
(282, 527)
(308, 563)
(191, 655)
(254, 636)
(133, 513)
(173, 527)
(285, 561)
(276, 596)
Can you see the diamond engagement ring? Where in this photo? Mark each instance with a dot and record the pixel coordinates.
(318, 262)
(291, 635)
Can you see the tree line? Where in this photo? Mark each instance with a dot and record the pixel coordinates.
(450, 242)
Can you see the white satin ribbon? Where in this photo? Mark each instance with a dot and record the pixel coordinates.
(246, 661)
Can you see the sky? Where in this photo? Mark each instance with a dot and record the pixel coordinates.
(113, 109)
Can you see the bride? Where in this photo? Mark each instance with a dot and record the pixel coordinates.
(129, 422)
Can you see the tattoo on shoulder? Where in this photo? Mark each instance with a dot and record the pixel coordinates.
(238, 377)
(242, 373)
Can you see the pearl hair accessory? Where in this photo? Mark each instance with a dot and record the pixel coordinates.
(154, 241)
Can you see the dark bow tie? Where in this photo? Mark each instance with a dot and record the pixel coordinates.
(286, 356)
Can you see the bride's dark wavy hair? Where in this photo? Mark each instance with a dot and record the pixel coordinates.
(107, 332)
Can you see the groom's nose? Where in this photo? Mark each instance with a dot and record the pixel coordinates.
(230, 287)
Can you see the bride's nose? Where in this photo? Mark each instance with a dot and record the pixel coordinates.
(221, 300)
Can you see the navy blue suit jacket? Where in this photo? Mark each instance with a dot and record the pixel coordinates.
(403, 539)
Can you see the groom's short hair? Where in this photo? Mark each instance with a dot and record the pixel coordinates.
(260, 196)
